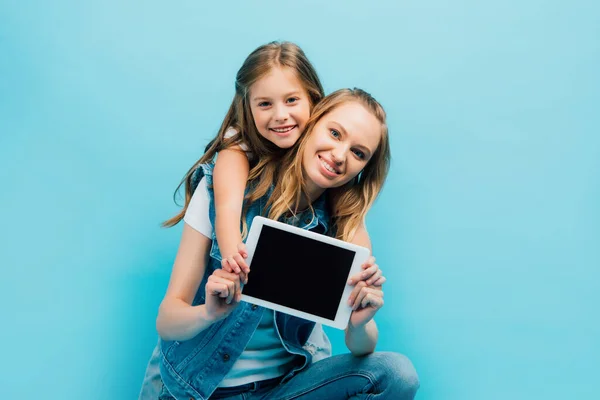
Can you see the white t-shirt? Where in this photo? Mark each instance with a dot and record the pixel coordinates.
(264, 356)
(230, 132)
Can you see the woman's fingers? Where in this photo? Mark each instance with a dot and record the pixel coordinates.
(354, 294)
(373, 278)
(372, 300)
(368, 296)
(231, 280)
(368, 270)
(380, 281)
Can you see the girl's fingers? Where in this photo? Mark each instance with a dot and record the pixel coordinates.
(225, 265)
(242, 250)
(241, 263)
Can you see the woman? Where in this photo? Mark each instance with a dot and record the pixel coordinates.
(213, 346)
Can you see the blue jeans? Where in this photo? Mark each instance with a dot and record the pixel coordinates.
(380, 375)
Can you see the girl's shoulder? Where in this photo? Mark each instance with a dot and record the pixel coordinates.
(230, 133)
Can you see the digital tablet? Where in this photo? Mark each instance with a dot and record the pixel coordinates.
(301, 273)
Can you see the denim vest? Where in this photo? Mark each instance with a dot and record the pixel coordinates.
(195, 367)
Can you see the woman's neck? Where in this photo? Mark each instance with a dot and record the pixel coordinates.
(312, 193)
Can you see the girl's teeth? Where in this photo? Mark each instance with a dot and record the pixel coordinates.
(283, 130)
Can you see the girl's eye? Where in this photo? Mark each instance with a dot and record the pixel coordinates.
(292, 100)
(359, 154)
(335, 133)
(264, 104)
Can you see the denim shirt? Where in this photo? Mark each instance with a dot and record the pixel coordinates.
(195, 367)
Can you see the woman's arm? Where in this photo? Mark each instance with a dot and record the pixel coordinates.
(229, 183)
(177, 318)
(371, 273)
(361, 237)
(366, 299)
(362, 340)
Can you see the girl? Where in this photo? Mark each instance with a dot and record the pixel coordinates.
(275, 89)
(214, 346)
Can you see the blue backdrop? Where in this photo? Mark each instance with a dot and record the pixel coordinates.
(488, 227)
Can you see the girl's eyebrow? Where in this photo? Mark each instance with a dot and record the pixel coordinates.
(295, 92)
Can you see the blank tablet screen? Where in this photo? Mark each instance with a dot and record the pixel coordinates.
(298, 272)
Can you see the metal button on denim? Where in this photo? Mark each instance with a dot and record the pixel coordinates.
(254, 306)
(225, 357)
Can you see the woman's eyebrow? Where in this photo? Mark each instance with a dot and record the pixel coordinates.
(340, 127)
(364, 148)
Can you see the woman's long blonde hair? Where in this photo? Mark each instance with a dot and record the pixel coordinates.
(239, 116)
(349, 203)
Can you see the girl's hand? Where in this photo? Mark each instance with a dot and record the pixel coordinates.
(365, 301)
(371, 274)
(222, 294)
(237, 263)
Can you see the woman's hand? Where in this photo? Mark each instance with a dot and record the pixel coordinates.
(367, 296)
(371, 274)
(222, 294)
(365, 303)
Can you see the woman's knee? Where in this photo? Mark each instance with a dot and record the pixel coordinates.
(399, 374)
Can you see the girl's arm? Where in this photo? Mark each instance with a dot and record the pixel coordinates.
(229, 182)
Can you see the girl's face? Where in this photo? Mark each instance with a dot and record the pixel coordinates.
(280, 106)
(340, 146)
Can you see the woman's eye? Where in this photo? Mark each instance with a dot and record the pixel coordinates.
(359, 154)
(335, 133)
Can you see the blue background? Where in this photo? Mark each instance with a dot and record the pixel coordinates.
(488, 227)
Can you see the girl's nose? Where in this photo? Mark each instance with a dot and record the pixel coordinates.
(281, 113)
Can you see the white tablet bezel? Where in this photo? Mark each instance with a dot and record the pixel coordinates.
(342, 315)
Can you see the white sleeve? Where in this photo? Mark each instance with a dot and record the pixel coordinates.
(230, 133)
(196, 214)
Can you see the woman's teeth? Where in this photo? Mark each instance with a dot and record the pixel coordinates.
(328, 167)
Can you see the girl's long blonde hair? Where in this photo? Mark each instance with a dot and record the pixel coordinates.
(349, 203)
(239, 116)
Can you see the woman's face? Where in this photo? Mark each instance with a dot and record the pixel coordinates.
(340, 145)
